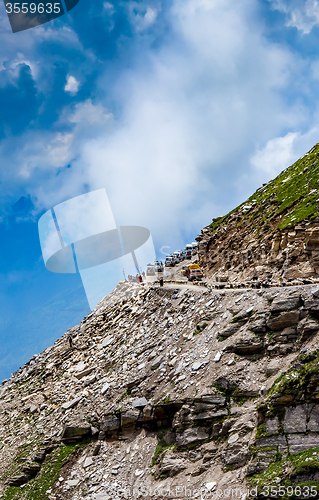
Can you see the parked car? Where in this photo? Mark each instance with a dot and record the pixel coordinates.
(189, 251)
(150, 270)
(172, 256)
(169, 262)
(158, 266)
(176, 256)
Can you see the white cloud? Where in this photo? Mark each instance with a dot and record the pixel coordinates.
(189, 115)
(142, 16)
(303, 15)
(276, 155)
(108, 6)
(72, 85)
(279, 153)
(91, 114)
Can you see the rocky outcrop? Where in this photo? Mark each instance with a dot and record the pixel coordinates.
(272, 238)
(213, 387)
(137, 373)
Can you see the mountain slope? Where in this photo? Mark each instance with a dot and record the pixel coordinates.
(185, 393)
(165, 391)
(274, 235)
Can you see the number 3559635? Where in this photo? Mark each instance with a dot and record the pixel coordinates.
(33, 8)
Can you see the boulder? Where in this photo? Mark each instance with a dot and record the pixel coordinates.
(230, 330)
(72, 434)
(286, 304)
(191, 436)
(295, 419)
(211, 415)
(84, 372)
(301, 442)
(235, 455)
(169, 437)
(307, 327)
(33, 409)
(110, 423)
(273, 367)
(18, 480)
(70, 404)
(284, 320)
(28, 472)
(105, 388)
(135, 381)
(156, 363)
(40, 456)
(287, 333)
(31, 469)
(89, 380)
(139, 403)
(129, 418)
(258, 326)
(215, 399)
(247, 347)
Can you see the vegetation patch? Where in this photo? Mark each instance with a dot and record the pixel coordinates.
(301, 378)
(161, 446)
(50, 471)
(288, 199)
(286, 473)
(261, 431)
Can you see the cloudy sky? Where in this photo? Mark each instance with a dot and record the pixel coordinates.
(180, 109)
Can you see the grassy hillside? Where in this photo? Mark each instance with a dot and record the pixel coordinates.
(289, 198)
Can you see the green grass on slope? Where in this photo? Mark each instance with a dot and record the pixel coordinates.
(294, 190)
(50, 472)
(281, 476)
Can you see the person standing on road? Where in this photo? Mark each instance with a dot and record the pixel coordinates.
(161, 281)
(140, 279)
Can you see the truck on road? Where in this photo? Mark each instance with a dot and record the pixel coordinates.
(193, 272)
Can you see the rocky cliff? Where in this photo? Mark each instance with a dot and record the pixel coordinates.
(168, 391)
(273, 237)
(185, 391)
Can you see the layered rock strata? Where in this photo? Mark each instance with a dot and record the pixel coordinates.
(167, 389)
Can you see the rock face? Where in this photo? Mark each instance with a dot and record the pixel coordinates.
(164, 405)
(180, 392)
(273, 237)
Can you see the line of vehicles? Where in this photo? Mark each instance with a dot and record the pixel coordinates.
(177, 257)
(191, 271)
(152, 269)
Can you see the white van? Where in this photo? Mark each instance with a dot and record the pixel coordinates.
(194, 247)
(150, 270)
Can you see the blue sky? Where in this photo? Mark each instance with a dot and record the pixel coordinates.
(180, 109)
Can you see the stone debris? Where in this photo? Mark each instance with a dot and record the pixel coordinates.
(151, 403)
(200, 387)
